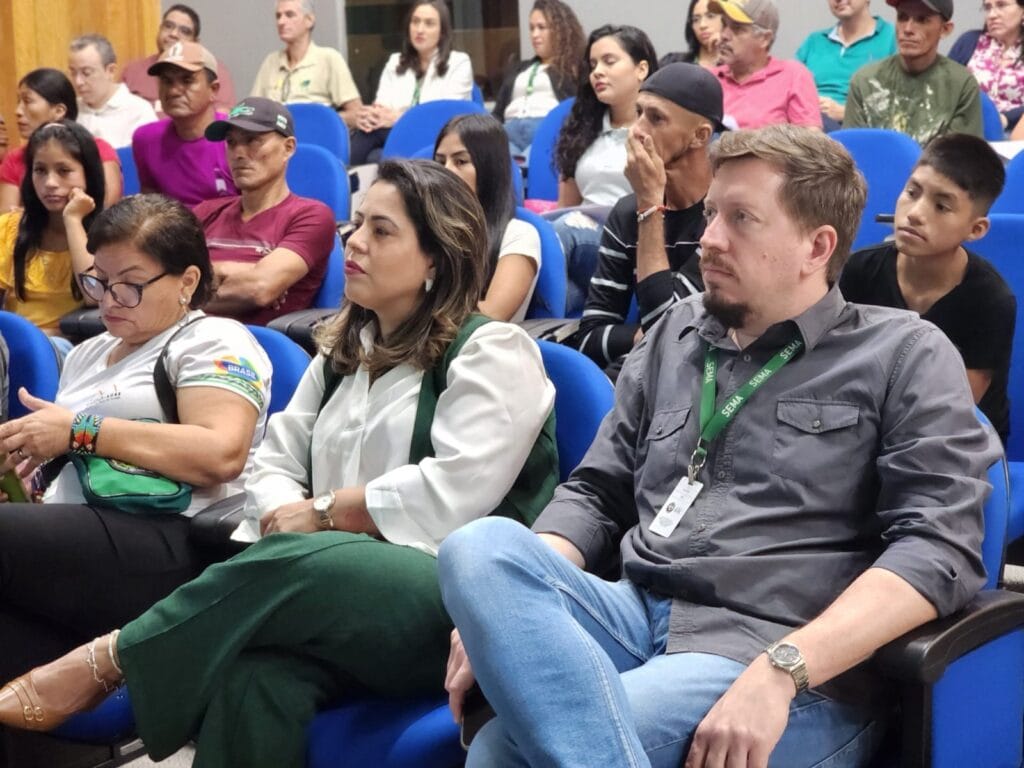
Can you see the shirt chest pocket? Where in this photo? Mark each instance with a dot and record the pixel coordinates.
(816, 441)
(661, 458)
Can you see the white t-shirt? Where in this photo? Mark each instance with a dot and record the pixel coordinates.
(116, 121)
(600, 172)
(485, 425)
(522, 237)
(213, 352)
(396, 90)
(539, 101)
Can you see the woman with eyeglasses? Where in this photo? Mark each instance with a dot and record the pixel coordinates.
(70, 570)
(42, 247)
(995, 56)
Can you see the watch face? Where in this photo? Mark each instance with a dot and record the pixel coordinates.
(786, 654)
(322, 503)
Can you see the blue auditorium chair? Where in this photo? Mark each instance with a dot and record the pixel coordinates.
(320, 125)
(420, 125)
(991, 120)
(885, 158)
(541, 176)
(1012, 198)
(129, 172)
(315, 172)
(32, 362)
(549, 294)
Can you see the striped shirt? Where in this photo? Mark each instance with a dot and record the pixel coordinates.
(604, 334)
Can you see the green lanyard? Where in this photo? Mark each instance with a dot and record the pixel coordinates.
(416, 93)
(533, 74)
(712, 422)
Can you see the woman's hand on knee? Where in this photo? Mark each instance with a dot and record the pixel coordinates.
(296, 517)
(459, 678)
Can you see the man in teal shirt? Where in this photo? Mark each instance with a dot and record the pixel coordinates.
(834, 54)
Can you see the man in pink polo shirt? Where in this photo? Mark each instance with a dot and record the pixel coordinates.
(759, 90)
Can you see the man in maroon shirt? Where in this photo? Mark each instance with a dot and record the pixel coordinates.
(269, 247)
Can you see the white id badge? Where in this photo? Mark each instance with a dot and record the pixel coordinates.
(677, 504)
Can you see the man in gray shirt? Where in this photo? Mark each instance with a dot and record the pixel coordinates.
(791, 481)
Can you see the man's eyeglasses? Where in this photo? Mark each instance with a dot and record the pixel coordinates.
(127, 295)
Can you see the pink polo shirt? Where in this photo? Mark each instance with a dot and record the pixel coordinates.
(782, 92)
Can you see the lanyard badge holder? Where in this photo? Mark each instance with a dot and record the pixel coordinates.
(712, 423)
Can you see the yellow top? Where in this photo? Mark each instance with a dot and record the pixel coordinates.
(48, 276)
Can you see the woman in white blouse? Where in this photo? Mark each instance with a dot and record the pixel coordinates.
(392, 440)
(475, 148)
(426, 69)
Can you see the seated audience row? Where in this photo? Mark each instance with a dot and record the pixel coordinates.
(782, 209)
(373, 521)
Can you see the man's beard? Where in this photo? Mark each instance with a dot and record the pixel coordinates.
(730, 314)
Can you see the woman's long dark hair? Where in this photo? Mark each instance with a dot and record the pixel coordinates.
(487, 143)
(692, 43)
(409, 58)
(79, 144)
(566, 38)
(54, 86)
(583, 125)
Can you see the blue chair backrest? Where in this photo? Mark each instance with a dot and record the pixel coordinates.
(333, 286)
(32, 363)
(1002, 246)
(315, 172)
(1012, 198)
(997, 519)
(992, 122)
(320, 125)
(129, 172)
(289, 360)
(541, 176)
(885, 158)
(421, 124)
(549, 294)
(477, 96)
(583, 396)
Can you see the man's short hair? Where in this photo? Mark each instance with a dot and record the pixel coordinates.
(181, 8)
(820, 182)
(102, 45)
(970, 163)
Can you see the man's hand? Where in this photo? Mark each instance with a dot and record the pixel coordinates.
(832, 108)
(745, 724)
(645, 170)
(459, 677)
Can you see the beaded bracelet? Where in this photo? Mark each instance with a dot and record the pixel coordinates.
(85, 428)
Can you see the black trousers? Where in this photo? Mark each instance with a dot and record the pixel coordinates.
(69, 573)
(365, 147)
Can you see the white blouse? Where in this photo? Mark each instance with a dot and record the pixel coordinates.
(396, 91)
(487, 420)
(535, 102)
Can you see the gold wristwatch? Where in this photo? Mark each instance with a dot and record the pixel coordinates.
(322, 506)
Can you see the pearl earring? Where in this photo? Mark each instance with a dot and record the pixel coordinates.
(183, 300)
(428, 284)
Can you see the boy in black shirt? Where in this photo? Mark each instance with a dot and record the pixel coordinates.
(926, 269)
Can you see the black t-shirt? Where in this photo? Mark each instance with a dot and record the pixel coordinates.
(978, 316)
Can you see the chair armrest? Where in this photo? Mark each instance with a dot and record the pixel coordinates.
(298, 326)
(83, 323)
(211, 527)
(923, 654)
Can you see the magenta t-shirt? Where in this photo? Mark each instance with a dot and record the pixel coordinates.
(189, 171)
(297, 223)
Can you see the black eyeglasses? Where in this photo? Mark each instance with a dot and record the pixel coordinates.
(127, 295)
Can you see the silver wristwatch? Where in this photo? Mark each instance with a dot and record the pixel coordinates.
(787, 657)
(322, 506)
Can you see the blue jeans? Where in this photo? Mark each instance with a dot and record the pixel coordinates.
(580, 236)
(576, 666)
(520, 132)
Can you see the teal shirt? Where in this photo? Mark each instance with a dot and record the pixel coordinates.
(833, 64)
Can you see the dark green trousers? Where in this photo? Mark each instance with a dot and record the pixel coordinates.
(242, 657)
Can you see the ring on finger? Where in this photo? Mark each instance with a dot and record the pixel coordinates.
(22, 453)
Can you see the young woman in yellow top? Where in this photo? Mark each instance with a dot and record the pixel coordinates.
(43, 247)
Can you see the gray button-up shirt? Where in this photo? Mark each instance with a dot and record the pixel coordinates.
(862, 451)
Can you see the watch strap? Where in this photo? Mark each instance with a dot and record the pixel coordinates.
(796, 670)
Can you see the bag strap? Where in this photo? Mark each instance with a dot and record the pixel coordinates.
(165, 392)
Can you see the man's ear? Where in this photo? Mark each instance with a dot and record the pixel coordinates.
(979, 228)
(702, 136)
(823, 245)
(947, 28)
